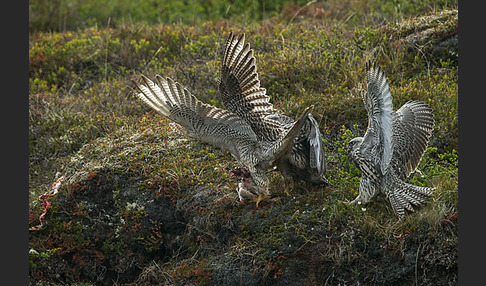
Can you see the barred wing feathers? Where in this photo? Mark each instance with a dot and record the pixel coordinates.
(201, 121)
(282, 147)
(240, 89)
(317, 149)
(412, 128)
(377, 142)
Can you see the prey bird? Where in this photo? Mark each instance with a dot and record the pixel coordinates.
(249, 128)
(247, 189)
(392, 146)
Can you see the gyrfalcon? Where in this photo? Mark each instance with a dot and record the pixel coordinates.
(392, 146)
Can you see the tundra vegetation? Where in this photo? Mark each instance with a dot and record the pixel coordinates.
(142, 205)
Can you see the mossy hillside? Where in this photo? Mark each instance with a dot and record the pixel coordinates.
(142, 204)
(190, 225)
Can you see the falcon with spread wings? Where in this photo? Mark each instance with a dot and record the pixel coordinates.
(248, 127)
(392, 146)
(241, 93)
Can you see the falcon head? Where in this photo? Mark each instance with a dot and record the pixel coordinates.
(353, 146)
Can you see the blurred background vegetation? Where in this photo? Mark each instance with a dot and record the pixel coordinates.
(64, 15)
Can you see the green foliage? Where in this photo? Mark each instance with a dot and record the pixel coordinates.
(35, 255)
(339, 160)
(84, 121)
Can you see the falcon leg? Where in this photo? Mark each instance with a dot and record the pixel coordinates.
(261, 180)
(367, 190)
(357, 200)
(325, 182)
(259, 199)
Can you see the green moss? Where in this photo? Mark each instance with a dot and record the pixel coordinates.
(87, 124)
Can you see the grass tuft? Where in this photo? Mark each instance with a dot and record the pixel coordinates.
(144, 205)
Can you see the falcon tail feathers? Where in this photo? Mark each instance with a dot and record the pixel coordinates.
(404, 196)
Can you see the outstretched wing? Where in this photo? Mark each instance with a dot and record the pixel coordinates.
(281, 147)
(309, 146)
(316, 146)
(412, 127)
(240, 89)
(377, 141)
(201, 121)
